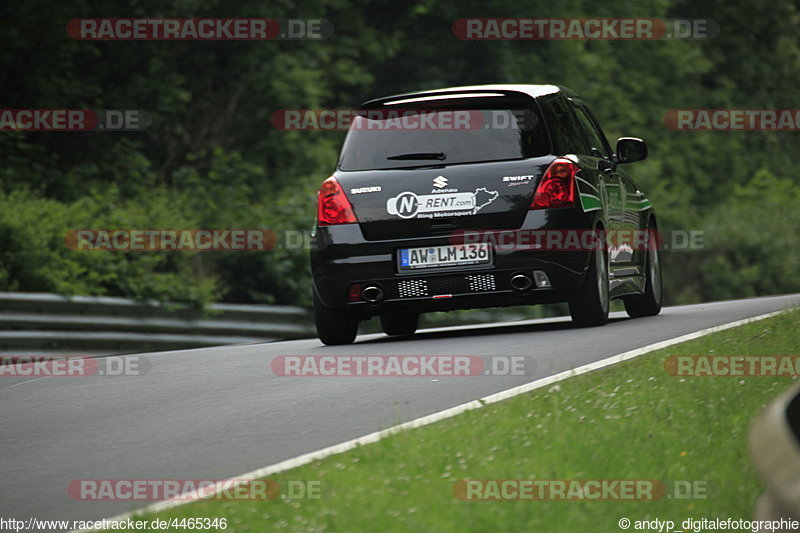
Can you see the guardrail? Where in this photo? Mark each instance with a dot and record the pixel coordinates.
(42, 323)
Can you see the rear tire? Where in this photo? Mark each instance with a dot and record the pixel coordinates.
(589, 306)
(334, 326)
(649, 303)
(400, 323)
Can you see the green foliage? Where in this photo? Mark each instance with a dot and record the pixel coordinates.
(34, 255)
(755, 245)
(211, 158)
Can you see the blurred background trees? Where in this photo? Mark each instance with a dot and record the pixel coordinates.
(212, 159)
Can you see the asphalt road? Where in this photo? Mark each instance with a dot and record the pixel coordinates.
(217, 412)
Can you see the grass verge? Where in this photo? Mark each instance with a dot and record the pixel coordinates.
(629, 421)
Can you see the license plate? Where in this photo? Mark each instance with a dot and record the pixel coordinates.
(444, 256)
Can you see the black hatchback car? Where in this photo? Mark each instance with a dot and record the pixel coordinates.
(480, 196)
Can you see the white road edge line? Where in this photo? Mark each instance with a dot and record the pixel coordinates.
(425, 420)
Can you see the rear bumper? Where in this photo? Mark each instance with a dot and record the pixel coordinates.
(341, 256)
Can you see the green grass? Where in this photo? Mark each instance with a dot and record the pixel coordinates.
(628, 421)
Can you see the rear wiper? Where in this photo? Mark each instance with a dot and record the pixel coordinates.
(419, 155)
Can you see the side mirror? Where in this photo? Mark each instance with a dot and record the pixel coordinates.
(631, 150)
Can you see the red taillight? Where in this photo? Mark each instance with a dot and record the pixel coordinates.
(333, 207)
(557, 187)
(354, 292)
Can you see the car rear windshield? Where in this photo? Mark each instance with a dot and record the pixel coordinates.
(408, 138)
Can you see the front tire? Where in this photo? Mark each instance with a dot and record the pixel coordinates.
(400, 323)
(589, 306)
(649, 303)
(334, 326)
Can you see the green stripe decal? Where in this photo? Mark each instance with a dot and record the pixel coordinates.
(639, 205)
(590, 202)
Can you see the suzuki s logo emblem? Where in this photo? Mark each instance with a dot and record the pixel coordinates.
(440, 182)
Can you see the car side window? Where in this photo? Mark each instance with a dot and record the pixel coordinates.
(597, 141)
(565, 128)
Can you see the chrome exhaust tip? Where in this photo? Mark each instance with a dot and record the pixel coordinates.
(521, 282)
(372, 294)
